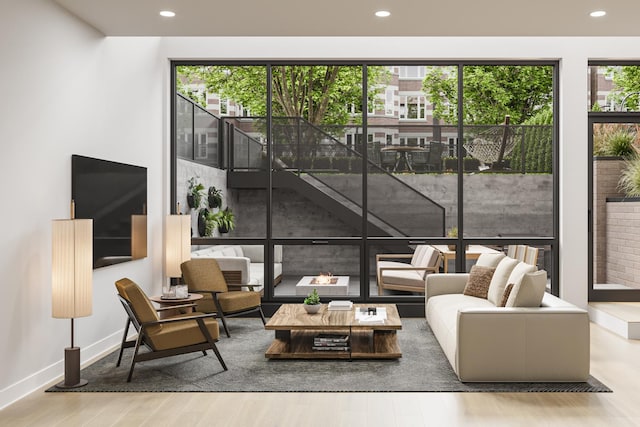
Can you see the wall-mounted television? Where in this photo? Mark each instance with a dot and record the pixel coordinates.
(114, 195)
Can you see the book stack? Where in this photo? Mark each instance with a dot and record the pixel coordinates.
(331, 342)
(340, 305)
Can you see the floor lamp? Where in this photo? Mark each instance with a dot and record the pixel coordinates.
(177, 234)
(71, 284)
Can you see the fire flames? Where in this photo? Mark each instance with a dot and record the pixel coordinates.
(324, 279)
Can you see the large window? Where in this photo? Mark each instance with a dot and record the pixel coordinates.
(614, 140)
(343, 170)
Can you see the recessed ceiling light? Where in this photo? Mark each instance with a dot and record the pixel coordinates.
(167, 13)
(383, 13)
(597, 13)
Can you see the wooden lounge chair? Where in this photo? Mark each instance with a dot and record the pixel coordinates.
(165, 337)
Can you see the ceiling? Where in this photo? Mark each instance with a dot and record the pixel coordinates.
(356, 17)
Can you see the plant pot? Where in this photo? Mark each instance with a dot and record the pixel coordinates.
(223, 230)
(312, 309)
(191, 201)
(452, 247)
(214, 202)
(202, 222)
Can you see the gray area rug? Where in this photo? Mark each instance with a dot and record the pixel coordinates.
(422, 368)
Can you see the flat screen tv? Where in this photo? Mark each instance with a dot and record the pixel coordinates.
(114, 195)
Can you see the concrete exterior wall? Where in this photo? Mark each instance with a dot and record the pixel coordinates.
(507, 204)
(494, 205)
(606, 173)
(623, 243)
(208, 176)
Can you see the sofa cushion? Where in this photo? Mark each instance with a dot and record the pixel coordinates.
(404, 277)
(229, 252)
(254, 252)
(499, 279)
(530, 291)
(417, 254)
(429, 259)
(505, 296)
(479, 281)
(256, 272)
(490, 260)
(519, 271)
(442, 315)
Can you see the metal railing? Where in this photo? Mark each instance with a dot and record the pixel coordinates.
(332, 157)
(197, 133)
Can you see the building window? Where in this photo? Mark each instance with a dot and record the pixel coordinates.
(388, 102)
(412, 107)
(412, 72)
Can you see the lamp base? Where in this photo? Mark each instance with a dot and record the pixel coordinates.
(72, 369)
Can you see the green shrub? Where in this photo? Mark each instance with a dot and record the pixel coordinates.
(619, 143)
(629, 182)
(471, 164)
(450, 164)
(322, 163)
(341, 163)
(614, 139)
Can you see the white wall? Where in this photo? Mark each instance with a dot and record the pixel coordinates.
(67, 90)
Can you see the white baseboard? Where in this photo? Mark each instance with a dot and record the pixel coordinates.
(634, 330)
(625, 328)
(54, 373)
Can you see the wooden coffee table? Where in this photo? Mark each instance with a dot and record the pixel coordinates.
(295, 329)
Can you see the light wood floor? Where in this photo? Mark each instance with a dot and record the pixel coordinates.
(614, 361)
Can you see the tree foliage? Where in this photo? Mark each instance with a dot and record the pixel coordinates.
(490, 92)
(626, 86)
(322, 94)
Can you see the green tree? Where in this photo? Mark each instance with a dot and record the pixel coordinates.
(322, 94)
(626, 87)
(490, 92)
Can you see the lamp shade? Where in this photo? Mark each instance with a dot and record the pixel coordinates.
(177, 243)
(72, 268)
(138, 236)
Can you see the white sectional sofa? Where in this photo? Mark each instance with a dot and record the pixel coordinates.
(243, 265)
(486, 343)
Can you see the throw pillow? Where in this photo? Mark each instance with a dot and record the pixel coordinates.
(519, 271)
(505, 296)
(490, 260)
(479, 281)
(530, 291)
(499, 279)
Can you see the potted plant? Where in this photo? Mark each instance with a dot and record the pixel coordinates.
(195, 193)
(312, 302)
(209, 223)
(453, 233)
(214, 197)
(202, 221)
(225, 220)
